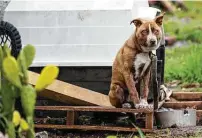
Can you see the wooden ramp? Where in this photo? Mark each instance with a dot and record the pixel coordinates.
(68, 93)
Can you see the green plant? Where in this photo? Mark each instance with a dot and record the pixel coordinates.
(141, 134)
(185, 25)
(15, 83)
(184, 63)
(111, 136)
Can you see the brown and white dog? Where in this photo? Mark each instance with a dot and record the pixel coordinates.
(132, 63)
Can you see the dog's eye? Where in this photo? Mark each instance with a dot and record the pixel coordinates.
(144, 32)
(156, 32)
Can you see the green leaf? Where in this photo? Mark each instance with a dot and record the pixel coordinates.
(28, 99)
(16, 118)
(11, 130)
(23, 68)
(1, 57)
(24, 125)
(8, 99)
(140, 132)
(11, 71)
(6, 50)
(29, 54)
(111, 136)
(47, 76)
(31, 133)
(3, 123)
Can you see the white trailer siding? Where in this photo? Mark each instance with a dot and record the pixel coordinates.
(76, 32)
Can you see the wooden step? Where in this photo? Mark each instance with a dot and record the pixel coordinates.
(187, 96)
(183, 105)
(199, 115)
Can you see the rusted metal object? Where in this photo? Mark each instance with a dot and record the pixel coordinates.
(71, 117)
(175, 118)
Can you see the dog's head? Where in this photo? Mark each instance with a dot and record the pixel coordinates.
(148, 33)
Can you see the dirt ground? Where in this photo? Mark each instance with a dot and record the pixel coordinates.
(188, 132)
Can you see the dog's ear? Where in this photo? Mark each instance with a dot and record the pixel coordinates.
(137, 22)
(159, 19)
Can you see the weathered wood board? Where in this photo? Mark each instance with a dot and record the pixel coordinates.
(68, 93)
(187, 96)
(93, 78)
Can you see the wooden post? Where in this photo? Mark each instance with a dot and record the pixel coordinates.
(70, 118)
(154, 82)
(149, 121)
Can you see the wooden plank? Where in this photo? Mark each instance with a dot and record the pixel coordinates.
(92, 108)
(199, 113)
(68, 93)
(187, 96)
(149, 121)
(70, 118)
(183, 104)
(101, 87)
(85, 127)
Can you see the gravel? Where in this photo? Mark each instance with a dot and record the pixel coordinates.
(3, 5)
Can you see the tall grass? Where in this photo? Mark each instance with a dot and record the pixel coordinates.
(185, 25)
(191, 31)
(184, 63)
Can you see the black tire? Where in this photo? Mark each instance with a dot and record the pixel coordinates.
(8, 30)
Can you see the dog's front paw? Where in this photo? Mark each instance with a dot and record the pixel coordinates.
(128, 105)
(143, 104)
